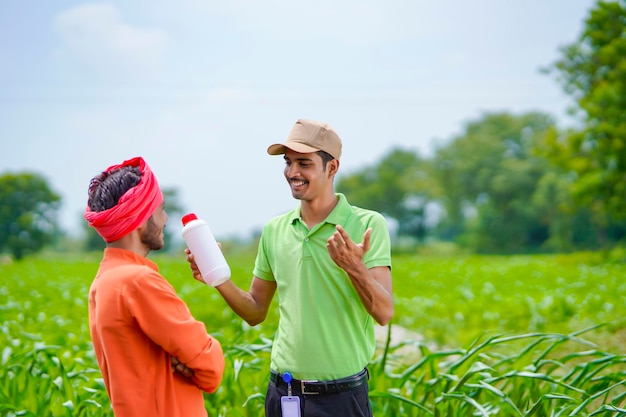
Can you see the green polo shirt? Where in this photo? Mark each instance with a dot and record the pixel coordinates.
(324, 332)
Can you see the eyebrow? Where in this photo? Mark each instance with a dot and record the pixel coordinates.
(286, 158)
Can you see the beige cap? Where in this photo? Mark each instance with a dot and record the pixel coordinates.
(308, 136)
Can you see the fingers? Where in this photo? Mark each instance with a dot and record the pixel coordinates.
(339, 238)
(195, 271)
(366, 239)
(191, 260)
(343, 237)
(181, 368)
(190, 257)
(334, 242)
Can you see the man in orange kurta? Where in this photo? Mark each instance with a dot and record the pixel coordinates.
(155, 358)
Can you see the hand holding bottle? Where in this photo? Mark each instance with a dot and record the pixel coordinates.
(206, 252)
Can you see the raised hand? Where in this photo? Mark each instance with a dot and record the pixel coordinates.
(347, 254)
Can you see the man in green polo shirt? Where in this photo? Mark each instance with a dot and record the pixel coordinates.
(330, 289)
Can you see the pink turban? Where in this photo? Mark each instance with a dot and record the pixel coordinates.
(134, 207)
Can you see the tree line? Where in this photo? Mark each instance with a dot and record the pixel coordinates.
(492, 189)
(518, 183)
(507, 184)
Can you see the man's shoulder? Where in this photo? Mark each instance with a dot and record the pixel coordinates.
(130, 272)
(358, 211)
(364, 213)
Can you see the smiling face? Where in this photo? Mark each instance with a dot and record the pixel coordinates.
(307, 176)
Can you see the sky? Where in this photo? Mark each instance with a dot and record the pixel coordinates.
(200, 89)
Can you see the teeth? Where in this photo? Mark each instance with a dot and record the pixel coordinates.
(297, 183)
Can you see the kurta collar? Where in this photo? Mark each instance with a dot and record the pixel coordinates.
(117, 255)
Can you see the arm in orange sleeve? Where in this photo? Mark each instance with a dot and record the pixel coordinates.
(166, 319)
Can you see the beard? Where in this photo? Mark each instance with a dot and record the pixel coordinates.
(152, 236)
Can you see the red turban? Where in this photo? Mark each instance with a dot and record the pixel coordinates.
(134, 207)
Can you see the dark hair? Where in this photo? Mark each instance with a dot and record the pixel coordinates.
(106, 189)
(326, 158)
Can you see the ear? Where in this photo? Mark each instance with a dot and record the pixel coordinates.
(333, 167)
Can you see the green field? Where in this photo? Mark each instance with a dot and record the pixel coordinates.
(476, 335)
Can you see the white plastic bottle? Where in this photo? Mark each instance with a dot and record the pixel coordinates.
(206, 252)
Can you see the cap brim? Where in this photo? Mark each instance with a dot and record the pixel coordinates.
(281, 148)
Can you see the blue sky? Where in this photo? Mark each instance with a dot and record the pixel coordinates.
(201, 88)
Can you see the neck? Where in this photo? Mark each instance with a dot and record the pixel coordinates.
(131, 242)
(315, 211)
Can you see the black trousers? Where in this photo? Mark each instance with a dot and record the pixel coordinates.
(352, 403)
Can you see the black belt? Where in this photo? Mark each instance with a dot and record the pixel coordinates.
(322, 387)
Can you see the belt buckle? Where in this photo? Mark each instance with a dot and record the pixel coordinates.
(303, 384)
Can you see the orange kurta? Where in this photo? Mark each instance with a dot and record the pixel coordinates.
(137, 323)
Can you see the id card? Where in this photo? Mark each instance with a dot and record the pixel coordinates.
(290, 406)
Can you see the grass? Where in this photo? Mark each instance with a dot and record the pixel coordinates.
(546, 376)
(512, 336)
(452, 300)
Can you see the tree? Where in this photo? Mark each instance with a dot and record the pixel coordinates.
(28, 213)
(399, 187)
(489, 175)
(593, 71)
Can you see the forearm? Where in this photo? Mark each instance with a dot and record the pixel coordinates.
(376, 298)
(208, 368)
(373, 285)
(243, 303)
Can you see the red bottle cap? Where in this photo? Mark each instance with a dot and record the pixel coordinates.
(189, 217)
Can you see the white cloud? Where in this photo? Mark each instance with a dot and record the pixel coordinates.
(364, 21)
(97, 35)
